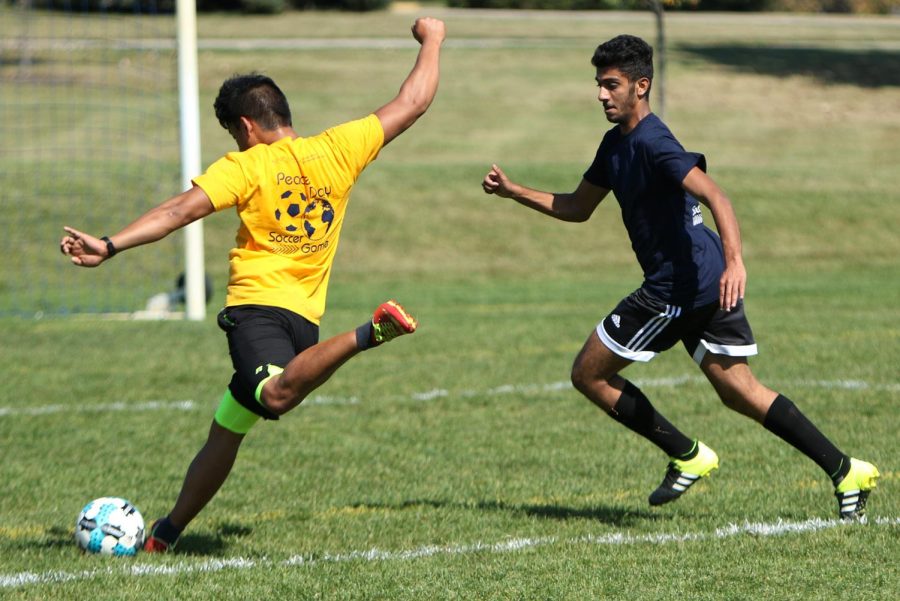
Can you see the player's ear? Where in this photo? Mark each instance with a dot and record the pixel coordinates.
(243, 132)
(247, 125)
(643, 87)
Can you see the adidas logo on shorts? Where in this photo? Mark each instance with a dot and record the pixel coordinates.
(615, 319)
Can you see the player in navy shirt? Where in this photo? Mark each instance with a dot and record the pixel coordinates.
(693, 288)
(645, 169)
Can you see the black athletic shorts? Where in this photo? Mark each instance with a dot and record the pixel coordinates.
(259, 337)
(641, 326)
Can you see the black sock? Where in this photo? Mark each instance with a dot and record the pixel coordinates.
(786, 421)
(166, 530)
(365, 338)
(634, 411)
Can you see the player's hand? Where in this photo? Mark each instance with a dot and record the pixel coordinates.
(429, 28)
(732, 285)
(84, 249)
(496, 182)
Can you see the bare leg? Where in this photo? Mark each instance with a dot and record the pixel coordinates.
(596, 375)
(207, 472)
(737, 386)
(307, 371)
(212, 464)
(740, 390)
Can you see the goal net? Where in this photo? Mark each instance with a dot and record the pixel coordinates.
(89, 123)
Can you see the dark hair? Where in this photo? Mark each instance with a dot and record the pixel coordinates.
(253, 96)
(629, 54)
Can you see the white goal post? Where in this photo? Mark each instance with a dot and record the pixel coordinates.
(189, 110)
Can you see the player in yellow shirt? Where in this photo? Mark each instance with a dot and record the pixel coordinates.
(291, 195)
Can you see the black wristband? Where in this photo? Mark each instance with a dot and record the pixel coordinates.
(110, 247)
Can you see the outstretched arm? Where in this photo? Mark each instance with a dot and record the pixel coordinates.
(573, 206)
(733, 282)
(421, 84)
(157, 223)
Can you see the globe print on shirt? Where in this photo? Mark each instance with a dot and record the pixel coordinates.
(298, 213)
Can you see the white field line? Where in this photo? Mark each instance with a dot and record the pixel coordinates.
(675, 381)
(99, 408)
(438, 393)
(511, 545)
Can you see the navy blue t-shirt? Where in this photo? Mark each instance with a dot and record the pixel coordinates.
(682, 259)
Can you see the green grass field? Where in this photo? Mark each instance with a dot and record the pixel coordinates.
(459, 463)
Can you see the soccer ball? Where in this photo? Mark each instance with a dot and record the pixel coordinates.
(110, 526)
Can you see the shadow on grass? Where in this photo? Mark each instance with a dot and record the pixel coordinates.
(864, 68)
(618, 516)
(56, 537)
(202, 544)
(190, 544)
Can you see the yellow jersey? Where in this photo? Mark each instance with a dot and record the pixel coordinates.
(291, 197)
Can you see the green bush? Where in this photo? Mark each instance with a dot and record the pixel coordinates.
(811, 6)
(733, 5)
(363, 5)
(247, 6)
(874, 7)
(348, 5)
(540, 4)
(278, 6)
(263, 7)
(109, 6)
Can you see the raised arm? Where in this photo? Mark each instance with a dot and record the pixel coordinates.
(157, 223)
(421, 84)
(733, 282)
(574, 206)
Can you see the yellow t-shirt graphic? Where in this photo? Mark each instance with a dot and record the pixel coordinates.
(291, 197)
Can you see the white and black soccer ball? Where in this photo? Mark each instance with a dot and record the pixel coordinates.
(110, 526)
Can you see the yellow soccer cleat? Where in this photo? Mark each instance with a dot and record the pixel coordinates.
(853, 491)
(682, 474)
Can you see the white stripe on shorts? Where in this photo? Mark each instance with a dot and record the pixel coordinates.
(650, 331)
(621, 350)
(729, 350)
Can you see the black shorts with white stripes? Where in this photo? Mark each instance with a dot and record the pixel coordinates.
(641, 326)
